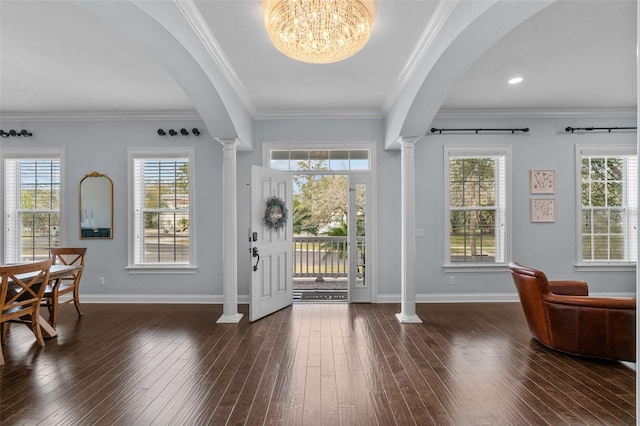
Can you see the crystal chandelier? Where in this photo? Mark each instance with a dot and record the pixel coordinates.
(319, 31)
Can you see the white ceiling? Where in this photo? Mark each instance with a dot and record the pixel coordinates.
(55, 57)
(573, 54)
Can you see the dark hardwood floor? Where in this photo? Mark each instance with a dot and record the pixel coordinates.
(331, 364)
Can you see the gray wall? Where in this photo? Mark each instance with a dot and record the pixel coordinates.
(102, 146)
(547, 246)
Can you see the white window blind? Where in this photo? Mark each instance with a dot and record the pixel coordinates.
(476, 206)
(32, 193)
(161, 210)
(608, 204)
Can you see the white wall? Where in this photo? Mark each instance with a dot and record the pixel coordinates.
(102, 147)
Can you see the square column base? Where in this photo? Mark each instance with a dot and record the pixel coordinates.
(408, 319)
(229, 319)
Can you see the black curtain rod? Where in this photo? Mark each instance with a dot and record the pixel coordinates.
(434, 130)
(591, 129)
(15, 133)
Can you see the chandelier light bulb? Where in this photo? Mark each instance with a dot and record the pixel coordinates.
(319, 31)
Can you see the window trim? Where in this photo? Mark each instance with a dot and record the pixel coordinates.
(161, 153)
(595, 150)
(31, 154)
(477, 151)
(318, 147)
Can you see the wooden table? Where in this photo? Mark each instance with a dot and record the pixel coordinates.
(55, 273)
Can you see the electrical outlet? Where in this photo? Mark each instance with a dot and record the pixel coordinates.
(452, 280)
(100, 280)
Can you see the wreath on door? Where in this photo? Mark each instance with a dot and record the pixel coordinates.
(275, 215)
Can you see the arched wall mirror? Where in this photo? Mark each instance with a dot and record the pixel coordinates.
(96, 206)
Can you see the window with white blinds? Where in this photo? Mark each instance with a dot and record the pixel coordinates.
(162, 200)
(476, 205)
(32, 193)
(607, 205)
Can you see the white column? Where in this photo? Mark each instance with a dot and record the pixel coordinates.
(229, 234)
(408, 231)
(638, 145)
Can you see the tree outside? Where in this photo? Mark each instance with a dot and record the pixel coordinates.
(320, 213)
(473, 208)
(39, 220)
(166, 211)
(320, 202)
(166, 188)
(603, 209)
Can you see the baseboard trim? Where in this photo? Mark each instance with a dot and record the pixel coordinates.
(474, 297)
(452, 298)
(204, 299)
(244, 299)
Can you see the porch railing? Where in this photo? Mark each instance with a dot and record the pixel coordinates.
(321, 257)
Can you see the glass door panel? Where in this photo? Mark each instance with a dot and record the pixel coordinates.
(358, 203)
(320, 244)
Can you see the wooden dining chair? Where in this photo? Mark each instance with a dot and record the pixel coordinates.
(20, 297)
(64, 285)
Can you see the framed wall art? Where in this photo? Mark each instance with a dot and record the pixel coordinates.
(543, 181)
(543, 210)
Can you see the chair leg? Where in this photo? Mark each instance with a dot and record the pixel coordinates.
(76, 301)
(4, 332)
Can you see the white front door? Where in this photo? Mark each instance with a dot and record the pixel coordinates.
(271, 246)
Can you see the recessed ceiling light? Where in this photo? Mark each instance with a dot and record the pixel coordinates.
(515, 80)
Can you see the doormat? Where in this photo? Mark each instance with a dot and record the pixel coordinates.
(320, 295)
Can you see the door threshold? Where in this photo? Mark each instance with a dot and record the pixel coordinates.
(320, 296)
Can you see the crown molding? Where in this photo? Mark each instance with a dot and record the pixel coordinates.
(536, 113)
(100, 116)
(193, 115)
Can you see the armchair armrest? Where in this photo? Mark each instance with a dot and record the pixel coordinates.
(627, 303)
(569, 287)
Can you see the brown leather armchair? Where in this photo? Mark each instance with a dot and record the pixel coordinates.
(562, 316)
